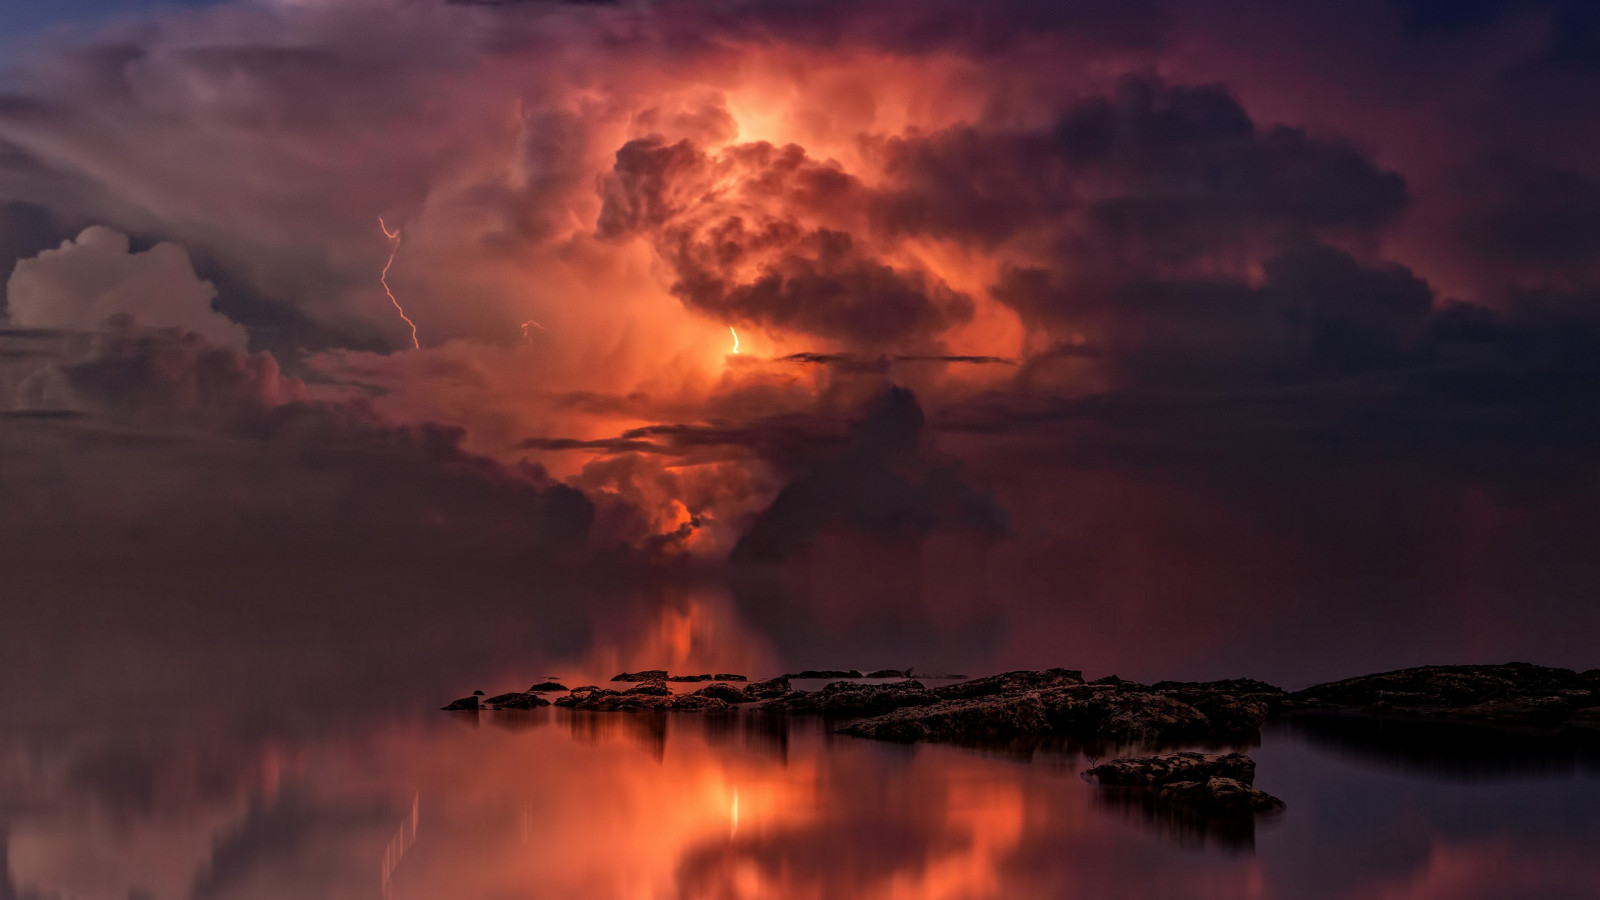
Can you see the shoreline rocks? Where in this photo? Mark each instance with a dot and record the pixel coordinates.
(646, 675)
(1509, 695)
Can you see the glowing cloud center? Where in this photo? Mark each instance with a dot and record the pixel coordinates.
(735, 338)
(394, 248)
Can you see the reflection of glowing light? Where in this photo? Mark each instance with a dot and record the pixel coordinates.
(394, 238)
(735, 338)
(735, 814)
(399, 844)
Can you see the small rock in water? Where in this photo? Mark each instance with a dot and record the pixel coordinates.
(725, 692)
(548, 686)
(766, 690)
(646, 675)
(464, 704)
(517, 700)
(477, 693)
(653, 688)
(827, 673)
(723, 676)
(1220, 796)
(1166, 768)
(690, 678)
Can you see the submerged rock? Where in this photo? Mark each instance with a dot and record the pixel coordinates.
(464, 704)
(1166, 768)
(548, 686)
(517, 700)
(646, 675)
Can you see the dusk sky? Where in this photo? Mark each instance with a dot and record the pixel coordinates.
(1126, 335)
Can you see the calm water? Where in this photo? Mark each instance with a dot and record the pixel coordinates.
(178, 746)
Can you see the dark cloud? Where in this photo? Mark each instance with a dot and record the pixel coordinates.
(742, 252)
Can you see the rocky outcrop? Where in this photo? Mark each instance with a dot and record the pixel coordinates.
(690, 678)
(544, 686)
(1217, 796)
(1167, 768)
(848, 698)
(766, 690)
(817, 674)
(725, 676)
(1512, 695)
(465, 704)
(646, 675)
(1052, 703)
(636, 700)
(724, 692)
(889, 673)
(516, 700)
(651, 688)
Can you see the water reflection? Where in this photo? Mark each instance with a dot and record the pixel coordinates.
(552, 803)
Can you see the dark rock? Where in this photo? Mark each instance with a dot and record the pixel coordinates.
(957, 720)
(890, 673)
(517, 700)
(724, 692)
(1009, 683)
(1106, 712)
(1512, 695)
(548, 686)
(724, 676)
(465, 703)
(477, 693)
(653, 688)
(827, 673)
(1225, 686)
(847, 698)
(1217, 796)
(1166, 768)
(690, 678)
(766, 690)
(586, 687)
(602, 700)
(646, 675)
(941, 676)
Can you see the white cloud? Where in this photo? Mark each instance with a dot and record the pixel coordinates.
(84, 282)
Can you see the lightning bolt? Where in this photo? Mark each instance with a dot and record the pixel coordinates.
(735, 338)
(530, 324)
(394, 239)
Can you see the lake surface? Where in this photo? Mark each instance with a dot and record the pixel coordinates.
(281, 741)
(552, 803)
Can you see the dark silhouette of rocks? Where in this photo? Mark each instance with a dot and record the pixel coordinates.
(646, 675)
(636, 700)
(1009, 683)
(724, 676)
(690, 678)
(544, 686)
(517, 700)
(818, 674)
(477, 693)
(725, 692)
(1166, 768)
(1218, 796)
(847, 698)
(653, 688)
(766, 690)
(465, 704)
(1513, 695)
(889, 673)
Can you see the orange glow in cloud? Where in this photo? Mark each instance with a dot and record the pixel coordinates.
(735, 339)
(394, 238)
